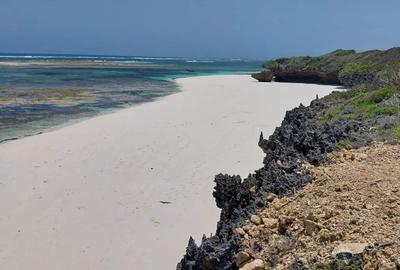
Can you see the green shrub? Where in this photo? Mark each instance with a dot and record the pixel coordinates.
(396, 132)
(342, 52)
(314, 61)
(368, 103)
(353, 116)
(348, 94)
(389, 74)
(372, 110)
(380, 94)
(271, 64)
(353, 67)
(331, 116)
(343, 144)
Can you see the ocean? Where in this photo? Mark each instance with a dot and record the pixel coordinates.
(43, 92)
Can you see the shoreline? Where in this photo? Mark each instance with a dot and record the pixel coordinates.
(107, 111)
(90, 193)
(74, 121)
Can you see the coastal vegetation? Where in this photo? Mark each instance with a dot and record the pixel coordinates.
(396, 132)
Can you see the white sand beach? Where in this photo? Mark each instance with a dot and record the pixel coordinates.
(87, 196)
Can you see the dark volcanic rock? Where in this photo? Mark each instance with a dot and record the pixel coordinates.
(263, 76)
(211, 254)
(359, 77)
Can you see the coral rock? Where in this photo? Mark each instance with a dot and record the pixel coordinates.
(270, 223)
(271, 197)
(240, 231)
(311, 227)
(352, 248)
(256, 219)
(242, 258)
(254, 265)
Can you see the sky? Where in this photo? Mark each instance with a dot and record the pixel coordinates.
(247, 29)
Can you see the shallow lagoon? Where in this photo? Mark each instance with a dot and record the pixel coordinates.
(39, 92)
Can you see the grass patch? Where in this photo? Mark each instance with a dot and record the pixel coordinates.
(343, 144)
(354, 67)
(373, 110)
(396, 132)
(353, 116)
(331, 116)
(314, 61)
(271, 64)
(341, 52)
(380, 94)
(368, 103)
(359, 103)
(348, 95)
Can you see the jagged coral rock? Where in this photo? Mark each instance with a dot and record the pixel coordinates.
(242, 257)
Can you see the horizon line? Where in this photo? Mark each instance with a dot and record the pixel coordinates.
(132, 56)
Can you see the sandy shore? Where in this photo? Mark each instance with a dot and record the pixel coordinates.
(87, 196)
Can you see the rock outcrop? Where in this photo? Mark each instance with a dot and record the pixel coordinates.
(263, 76)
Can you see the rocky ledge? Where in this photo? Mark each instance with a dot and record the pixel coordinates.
(263, 76)
(346, 119)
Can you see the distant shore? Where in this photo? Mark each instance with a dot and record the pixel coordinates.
(126, 190)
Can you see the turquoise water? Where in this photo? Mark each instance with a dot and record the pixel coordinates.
(39, 92)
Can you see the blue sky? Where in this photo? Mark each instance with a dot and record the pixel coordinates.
(198, 28)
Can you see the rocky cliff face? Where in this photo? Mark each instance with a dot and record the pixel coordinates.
(306, 135)
(307, 76)
(263, 76)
